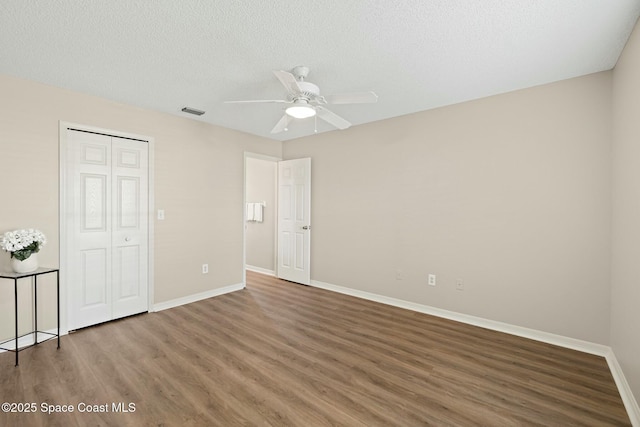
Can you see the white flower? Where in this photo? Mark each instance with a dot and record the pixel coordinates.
(17, 240)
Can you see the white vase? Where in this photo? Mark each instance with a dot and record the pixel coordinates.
(27, 266)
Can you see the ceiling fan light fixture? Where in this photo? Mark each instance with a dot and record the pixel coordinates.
(301, 111)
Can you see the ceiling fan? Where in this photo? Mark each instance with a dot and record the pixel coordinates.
(305, 101)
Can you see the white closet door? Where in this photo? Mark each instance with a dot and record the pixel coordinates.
(129, 236)
(89, 236)
(107, 192)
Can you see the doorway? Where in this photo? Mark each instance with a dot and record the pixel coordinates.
(277, 239)
(260, 213)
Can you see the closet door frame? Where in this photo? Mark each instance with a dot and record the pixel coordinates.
(63, 146)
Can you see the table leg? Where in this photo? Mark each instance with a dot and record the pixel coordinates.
(15, 287)
(35, 307)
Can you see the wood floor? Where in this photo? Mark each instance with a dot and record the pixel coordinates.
(280, 354)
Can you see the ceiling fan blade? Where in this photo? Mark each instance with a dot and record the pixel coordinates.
(288, 81)
(353, 98)
(332, 118)
(282, 124)
(255, 101)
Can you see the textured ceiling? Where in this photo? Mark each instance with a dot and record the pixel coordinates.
(415, 54)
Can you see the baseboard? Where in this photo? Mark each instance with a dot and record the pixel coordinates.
(630, 403)
(28, 340)
(197, 297)
(584, 346)
(260, 270)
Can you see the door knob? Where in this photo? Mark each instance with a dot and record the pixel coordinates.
(306, 227)
(126, 239)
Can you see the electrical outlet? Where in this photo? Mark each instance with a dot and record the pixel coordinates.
(459, 285)
(205, 268)
(432, 280)
(160, 214)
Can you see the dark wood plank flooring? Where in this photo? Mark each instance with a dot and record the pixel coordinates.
(281, 354)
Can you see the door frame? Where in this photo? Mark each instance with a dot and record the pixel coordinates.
(275, 160)
(62, 193)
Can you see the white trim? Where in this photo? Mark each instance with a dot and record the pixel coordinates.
(630, 403)
(248, 154)
(260, 270)
(62, 227)
(198, 297)
(559, 340)
(151, 221)
(262, 157)
(62, 237)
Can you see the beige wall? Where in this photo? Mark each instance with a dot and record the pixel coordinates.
(510, 193)
(261, 176)
(625, 319)
(199, 176)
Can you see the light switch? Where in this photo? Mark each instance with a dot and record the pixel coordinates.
(160, 214)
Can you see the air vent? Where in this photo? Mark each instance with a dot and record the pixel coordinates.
(193, 111)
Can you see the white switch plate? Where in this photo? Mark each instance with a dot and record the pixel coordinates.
(205, 268)
(432, 280)
(160, 214)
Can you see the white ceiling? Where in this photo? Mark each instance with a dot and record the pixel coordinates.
(415, 54)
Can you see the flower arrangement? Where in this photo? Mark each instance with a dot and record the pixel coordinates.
(22, 243)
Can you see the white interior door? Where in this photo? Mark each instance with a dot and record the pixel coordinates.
(89, 228)
(107, 227)
(294, 220)
(129, 236)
